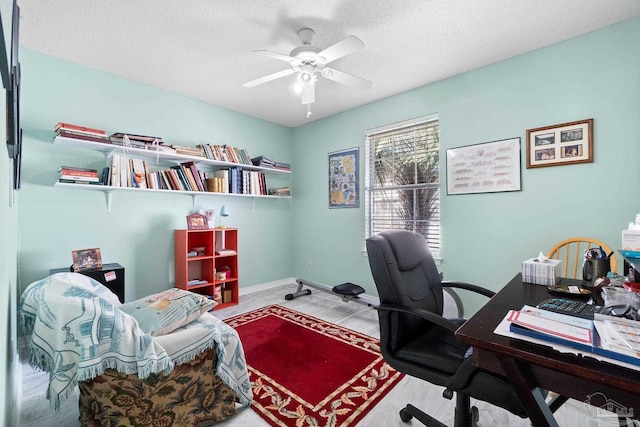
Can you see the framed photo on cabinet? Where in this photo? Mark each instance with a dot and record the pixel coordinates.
(86, 259)
(197, 221)
(563, 144)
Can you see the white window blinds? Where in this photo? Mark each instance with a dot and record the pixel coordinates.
(402, 177)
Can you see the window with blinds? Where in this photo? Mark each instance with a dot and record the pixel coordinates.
(402, 176)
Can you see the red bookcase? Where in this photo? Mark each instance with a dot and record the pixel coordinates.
(207, 263)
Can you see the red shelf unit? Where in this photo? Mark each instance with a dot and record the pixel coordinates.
(207, 262)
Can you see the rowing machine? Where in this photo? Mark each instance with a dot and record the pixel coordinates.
(346, 291)
(453, 307)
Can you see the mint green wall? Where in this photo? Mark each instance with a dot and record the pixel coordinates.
(139, 231)
(487, 236)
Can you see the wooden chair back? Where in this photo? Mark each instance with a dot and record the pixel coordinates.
(571, 251)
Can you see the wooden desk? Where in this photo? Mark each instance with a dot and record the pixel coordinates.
(529, 365)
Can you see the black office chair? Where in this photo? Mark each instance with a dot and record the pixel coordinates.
(417, 340)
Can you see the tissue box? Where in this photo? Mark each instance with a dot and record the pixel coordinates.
(631, 242)
(541, 273)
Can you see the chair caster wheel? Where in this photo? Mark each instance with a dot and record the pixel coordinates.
(475, 415)
(288, 297)
(405, 416)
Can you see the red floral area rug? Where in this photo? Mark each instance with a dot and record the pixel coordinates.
(308, 372)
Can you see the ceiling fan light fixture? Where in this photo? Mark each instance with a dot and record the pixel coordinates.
(307, 76)
(297, 88)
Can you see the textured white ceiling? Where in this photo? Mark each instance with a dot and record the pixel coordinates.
(202, 48)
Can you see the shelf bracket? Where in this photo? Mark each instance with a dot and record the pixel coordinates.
(108, 195)
(194, 198)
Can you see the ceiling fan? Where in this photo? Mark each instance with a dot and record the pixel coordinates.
(309, 62)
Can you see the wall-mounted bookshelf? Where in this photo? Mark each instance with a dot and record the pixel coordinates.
(159, 159)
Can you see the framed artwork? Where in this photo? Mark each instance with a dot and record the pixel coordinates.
(197, 221)
(343, 179)
(210, 214)
(562, 144)
(489, 167)
(86, 259)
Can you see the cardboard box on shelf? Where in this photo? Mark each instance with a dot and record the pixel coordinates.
(227, 295)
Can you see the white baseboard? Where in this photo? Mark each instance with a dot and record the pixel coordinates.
(267, 285)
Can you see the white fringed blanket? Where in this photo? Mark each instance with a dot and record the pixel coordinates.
(77, 332)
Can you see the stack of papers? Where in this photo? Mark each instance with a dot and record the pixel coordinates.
(555, 325)
(607, 336)
(618, 334)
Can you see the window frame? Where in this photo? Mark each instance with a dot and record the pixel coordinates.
(371, 187)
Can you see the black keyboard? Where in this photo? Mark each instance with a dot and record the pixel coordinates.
(572, 308)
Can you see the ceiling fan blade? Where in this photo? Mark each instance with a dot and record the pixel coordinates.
(345, 78)
(340, 49)
(268, 78)
(308, 94)
(276, 55)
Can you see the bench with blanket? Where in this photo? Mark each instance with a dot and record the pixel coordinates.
(190, 373)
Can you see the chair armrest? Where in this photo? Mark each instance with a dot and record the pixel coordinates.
(425, 314)
(469, 287)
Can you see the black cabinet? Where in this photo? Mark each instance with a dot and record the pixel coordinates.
(110, 275)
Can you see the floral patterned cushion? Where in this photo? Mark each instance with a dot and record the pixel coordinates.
(191, 395)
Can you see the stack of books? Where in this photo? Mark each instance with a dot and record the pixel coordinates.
(74, 175)
(281, 191)
(266, 163)
(84, 133)
(225, 251)
(189, 151)
(143, 142)
(282, 166)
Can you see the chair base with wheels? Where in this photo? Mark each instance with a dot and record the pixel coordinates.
(465, 415)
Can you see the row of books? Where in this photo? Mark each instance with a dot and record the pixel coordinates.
(226, 153)
(238, 181)
(222, 153)
(134, 173)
